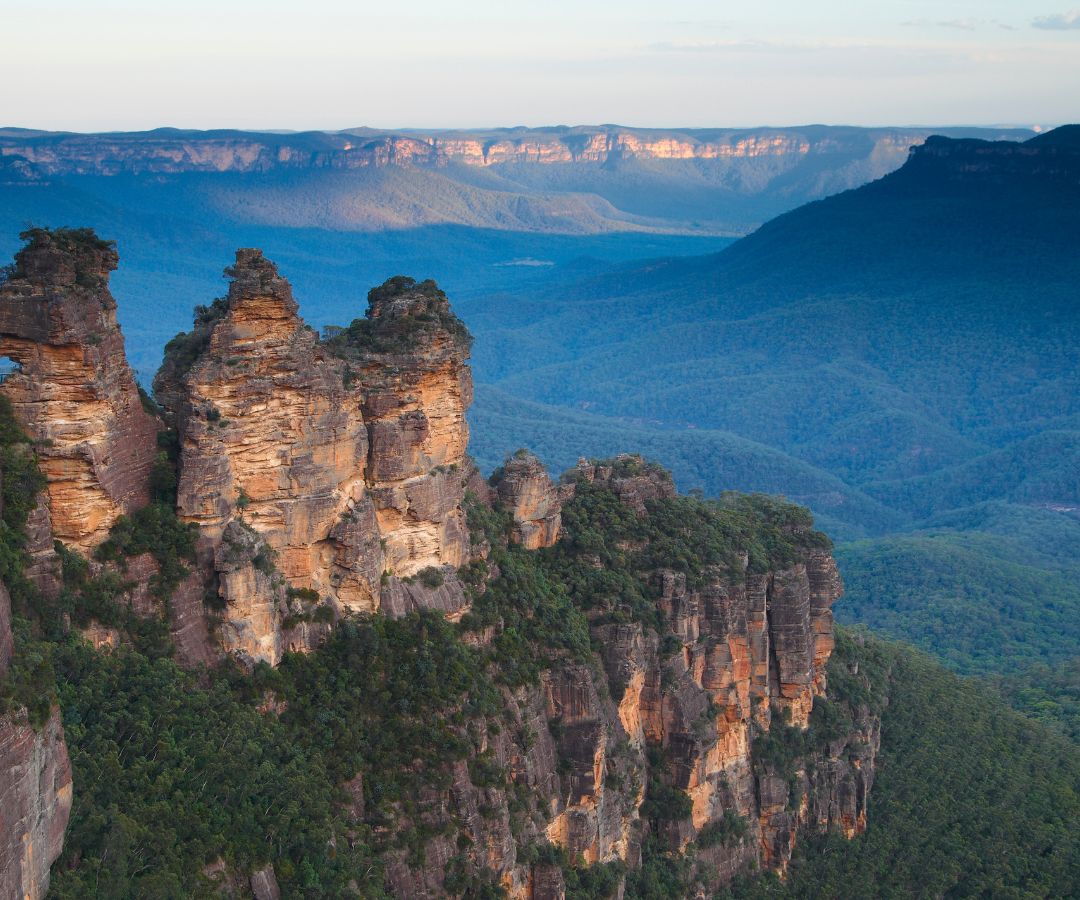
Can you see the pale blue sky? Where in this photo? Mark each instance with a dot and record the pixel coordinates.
(122, 64)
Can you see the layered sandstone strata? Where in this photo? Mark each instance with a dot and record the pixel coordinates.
(269, 435)
(345, 458)
(599, 749)
(409, 362)
(74, 392)
(741, 653)
(139, 153)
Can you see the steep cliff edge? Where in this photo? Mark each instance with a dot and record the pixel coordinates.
(73, 390)
(170, 150)
(714, 650)
(35, 772)
(408, 361)
(523, 486)
(593, 676)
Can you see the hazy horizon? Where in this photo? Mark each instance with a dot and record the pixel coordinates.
(550, 126)
(122, 66)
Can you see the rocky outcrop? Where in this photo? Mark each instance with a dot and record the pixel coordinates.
(592, 819)
(35, 801)
(269, 434)
(524, 488)
(73, 391)
(408, 358)
(742, 653)
(344, 459)
(634, 481)
(328, 476)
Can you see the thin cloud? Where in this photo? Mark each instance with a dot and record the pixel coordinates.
(968, 24)
(1066, 21)
(961, 24)
(715, 46)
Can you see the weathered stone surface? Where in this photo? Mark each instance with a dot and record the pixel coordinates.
(400, 597)
(254, 596)
(632, 479)
(547, 883)
(7, 643)
(411, 367)
(347, 458)
(524, 488)
(188, 625)
(590, 819)
(43, 566)
(35, 801)
(75, 393)
(268, 432)
(264, 884)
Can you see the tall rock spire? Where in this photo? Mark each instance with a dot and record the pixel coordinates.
(73, 390)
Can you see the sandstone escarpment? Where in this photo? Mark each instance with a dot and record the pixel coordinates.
(33, 156)
(691, 730)
(523, 487)
(35, 801)
(73, 391)
(696, 708)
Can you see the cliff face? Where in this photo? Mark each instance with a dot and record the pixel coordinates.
(35, 801)
(345, 462)
(673, 729)
(744, 651)
(7, 643)
(74, 392)
(172, 151)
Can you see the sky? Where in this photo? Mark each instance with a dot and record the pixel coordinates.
(330, 64)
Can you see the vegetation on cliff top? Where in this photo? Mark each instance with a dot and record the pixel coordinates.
(391, 330)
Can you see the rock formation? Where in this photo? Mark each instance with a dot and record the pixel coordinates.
(605, 751)
(743, 652)
(35, 801)
(270, 436)
(327, 477)
(7, 643)
(410, 367)
(534, 502)
(73, 391)
(345, 459)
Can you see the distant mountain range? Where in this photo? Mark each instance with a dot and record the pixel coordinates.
(902, 357)
(587, 180)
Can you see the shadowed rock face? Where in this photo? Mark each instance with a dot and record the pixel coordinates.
(35, 801)
(74, 392)
(7, 644)
(523, 486)
(744, 652)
